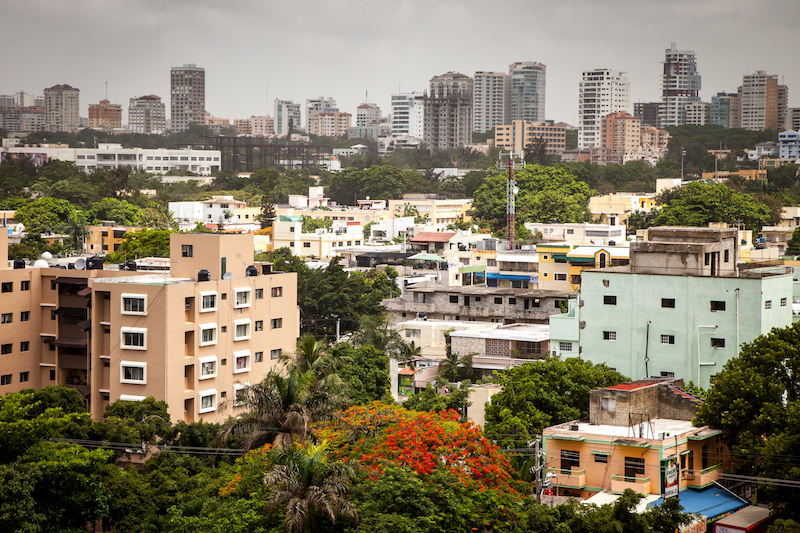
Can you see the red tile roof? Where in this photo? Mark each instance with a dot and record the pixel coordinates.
(633, 385)
(432, 236)
(407, 372)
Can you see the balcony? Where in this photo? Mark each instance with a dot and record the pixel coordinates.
(637, 484)
(575, 479)
(701, 478)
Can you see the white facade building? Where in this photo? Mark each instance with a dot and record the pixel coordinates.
(367, 114)
(147, 114)
(187, 96)
(528, 80)
(284, 111)
(601, 92)
(110, 156)
(680, 85)
(62, 104)
(408, 114)
(698, 113)
(490, 100)
(789, 142)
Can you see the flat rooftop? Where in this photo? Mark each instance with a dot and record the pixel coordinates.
(145, 279)
(431, 287)
(659, 425)
(511, 332)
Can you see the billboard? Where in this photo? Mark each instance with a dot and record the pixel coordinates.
(38, 159)
(670, 476)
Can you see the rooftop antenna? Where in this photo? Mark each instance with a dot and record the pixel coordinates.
(511, 164)
(106, 89)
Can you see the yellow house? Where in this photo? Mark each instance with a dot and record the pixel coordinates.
(584, 257)
(436, 211)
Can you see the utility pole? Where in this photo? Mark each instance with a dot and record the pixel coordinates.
(538, 476)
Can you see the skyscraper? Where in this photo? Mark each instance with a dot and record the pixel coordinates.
(408, 114)
(759, 93)
(491, 104)
(601, 92)
(680, 84)
(448, 111)
(317, 105)
(147, 114)
(105, 115)
(188, 96)
(527, 91)
(62, 104)
(286, 110)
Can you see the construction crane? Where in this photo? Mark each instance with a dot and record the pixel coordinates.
(511, 162)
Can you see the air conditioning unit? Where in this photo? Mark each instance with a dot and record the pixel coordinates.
(188, 306)
(573, 427)
(556, 353)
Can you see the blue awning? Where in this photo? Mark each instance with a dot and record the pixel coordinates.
(497, 275)
(713, 503)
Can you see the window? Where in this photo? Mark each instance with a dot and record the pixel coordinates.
(259, 356)
(608, 404)
(24, 377)
(783, 302)
(609, 300)
(259, 325)
(259, 294)
(559, 277)
(609, 335)
(25, 285)
(453, 299)
(223, 362)
(768, 305)
(634, 466)
(8, 287)
(24, 346)
(565, 346)
(717, 343)
(242, 298)
(24, 316)
(6, 318)
(223, 296)
(277, 292)
(727, 256)
(491, 262)
(223, 329)
(668, 374)
(52, 375)
(208, 401)
(208, 334)
(208, 367)
(134, 338)
(187, 250)
(241, 361)
(240, 393)
(600, 458)
(208, 301)
(512, 301)
(570, 459)
(5, 379)
(667, 339)
(242, 331)
(134, 304)
(668, 303)
(498, 300)
(133, 372)
(413, 333)
(717, 306)
(276, 323)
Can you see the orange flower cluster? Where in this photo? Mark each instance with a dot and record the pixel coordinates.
(250, 467)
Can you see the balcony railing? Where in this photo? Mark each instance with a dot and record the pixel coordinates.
(569, 478)
(701, 478)
(637, 484)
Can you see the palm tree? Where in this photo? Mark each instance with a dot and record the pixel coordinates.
(375, 330)
(311, 355)
(276, 411)
(306, 486)
(450, 365)
(75, 227)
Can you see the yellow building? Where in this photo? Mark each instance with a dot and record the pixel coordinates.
(561, 264)
(615, 208)
(105, 239)
(435, 211)
(519, 134)
(194, 336)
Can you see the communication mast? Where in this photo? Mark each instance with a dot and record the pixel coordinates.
(511, 163)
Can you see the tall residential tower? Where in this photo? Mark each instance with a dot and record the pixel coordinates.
(680, 85)
(527, 91)
(61, 107)
(448, 111)
(491, 101)
(601, 92)
(188, 96)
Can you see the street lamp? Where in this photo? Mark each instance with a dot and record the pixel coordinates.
(683, 153)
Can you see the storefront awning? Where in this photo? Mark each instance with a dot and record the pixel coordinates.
(515, 277)
(713, 502)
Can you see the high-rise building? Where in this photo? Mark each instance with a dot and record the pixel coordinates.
(285, 111)
(698, 113)
(491, 101)
(721, 107)
(792, 121)
(759, 93)
(527, 90)
(448, 111)
(408, 114)
(329, 124)
(783, 104)
(147, 114)
(648, 113)
(680, 85)
(62, 108)
(601, 92)
(105, 115)
(188, 96)
(367, 114)
(518, 135)
(318, 105)
(21, 99)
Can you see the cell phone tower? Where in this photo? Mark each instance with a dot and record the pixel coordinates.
(511, 162)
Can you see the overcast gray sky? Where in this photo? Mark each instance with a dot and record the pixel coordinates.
(341, 48)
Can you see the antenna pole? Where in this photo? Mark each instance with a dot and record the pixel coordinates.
(510, 165)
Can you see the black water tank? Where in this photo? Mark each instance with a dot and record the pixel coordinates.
(130, 265)
(94, 263)
(19, 263)
(204, 275)
(251, 271)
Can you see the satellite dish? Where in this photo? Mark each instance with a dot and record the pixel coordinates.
(46, 255)
(227, 275)
(80, 264)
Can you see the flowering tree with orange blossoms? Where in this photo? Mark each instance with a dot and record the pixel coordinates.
(378, 435)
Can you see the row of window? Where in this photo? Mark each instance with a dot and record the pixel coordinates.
(716, 305)
(665, 339)
(24, 377)
(136, 304)
(8, 286)
(8, 348)
(133, 338)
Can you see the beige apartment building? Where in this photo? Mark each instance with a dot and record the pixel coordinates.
(194, 336)
(328, 124)
(620, 133)
(436, 211)
(519, 134)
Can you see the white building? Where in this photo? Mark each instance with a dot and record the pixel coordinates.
(680, 85)
(111, 155)
(286, 110)
(367, 114)
(62, 104)
(408, 114)
(187, 96)
(147, 114)
(490, 100)
(601, 92)
(698, 113)
(527, 91)
(789, 142)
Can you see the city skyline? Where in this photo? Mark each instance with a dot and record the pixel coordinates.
(306, 54)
